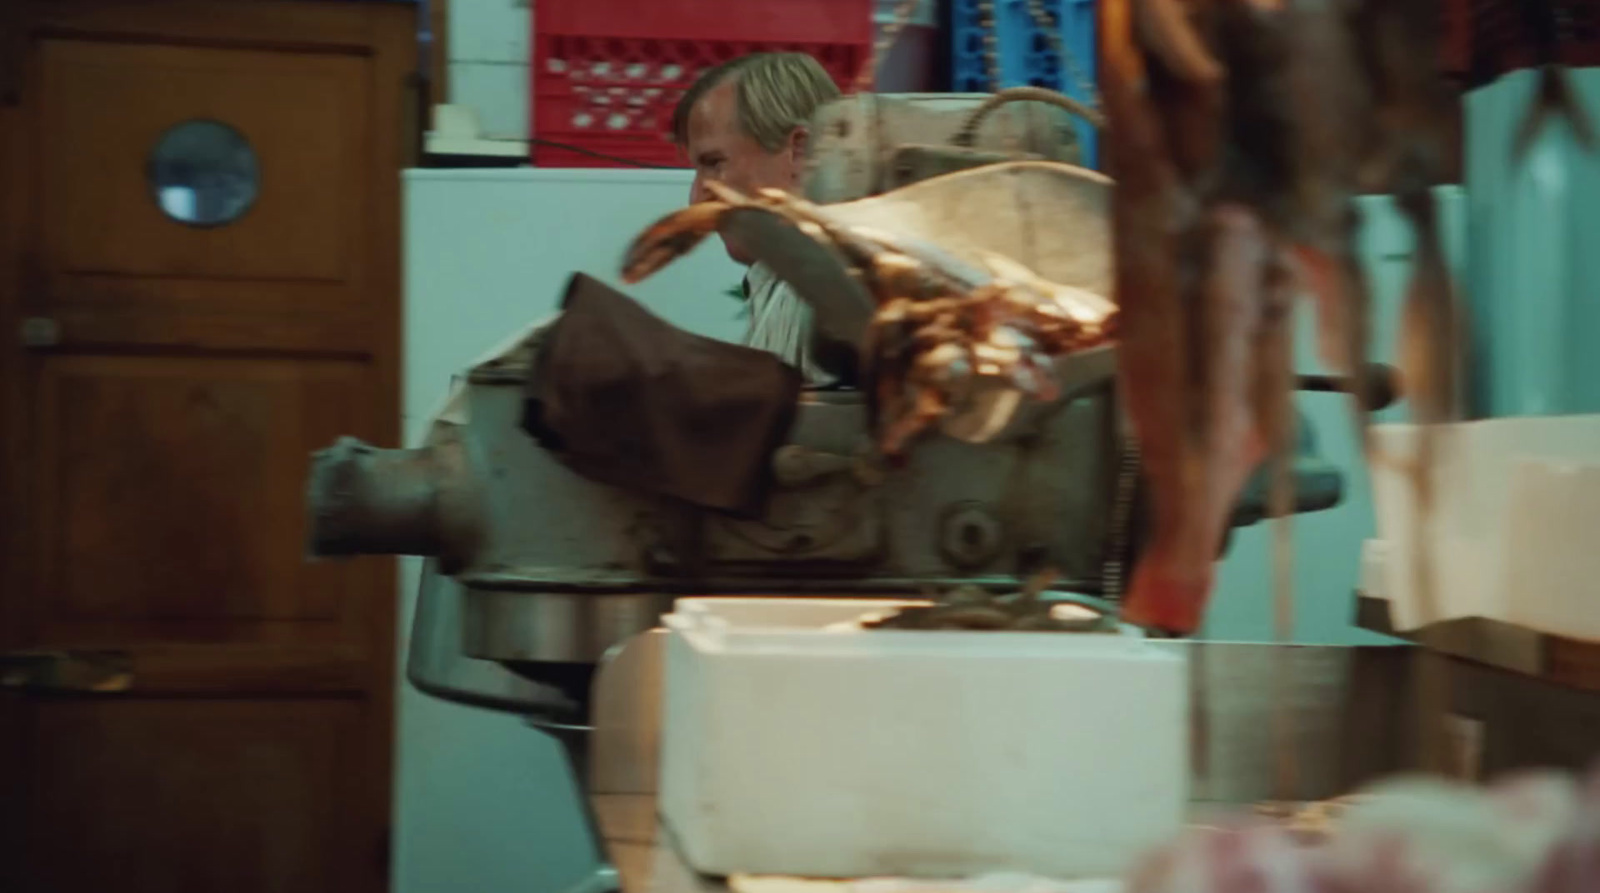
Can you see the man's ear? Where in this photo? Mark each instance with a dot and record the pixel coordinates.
(794, 153)
(799, 143)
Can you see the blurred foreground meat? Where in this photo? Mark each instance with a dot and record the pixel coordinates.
(1239, 131)
(1532, 833)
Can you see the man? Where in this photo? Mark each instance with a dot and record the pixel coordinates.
(744, 123)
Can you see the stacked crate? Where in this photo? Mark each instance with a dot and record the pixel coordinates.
(607, 73)
(1017, 43)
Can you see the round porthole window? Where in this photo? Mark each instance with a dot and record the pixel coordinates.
(203, 173)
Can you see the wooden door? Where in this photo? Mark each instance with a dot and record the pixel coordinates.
(198, 287)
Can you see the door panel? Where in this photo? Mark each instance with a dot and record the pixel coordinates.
(104, 311)
(162, 386)
(199, 462)
(301, 113)
(255, 786)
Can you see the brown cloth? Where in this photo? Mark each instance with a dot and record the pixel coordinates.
(626, 398)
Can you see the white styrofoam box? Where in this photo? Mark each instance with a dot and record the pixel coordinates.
(989, 883)
(1468, 529)
(1553, 548)
(791, 750)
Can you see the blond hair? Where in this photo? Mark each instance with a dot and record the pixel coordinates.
(774, 94)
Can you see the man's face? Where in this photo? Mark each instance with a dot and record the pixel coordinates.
(721, 151)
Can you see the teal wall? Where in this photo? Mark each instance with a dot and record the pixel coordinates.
(1535, 258)
(1327, 545)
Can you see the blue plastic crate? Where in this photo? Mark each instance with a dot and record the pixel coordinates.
(1025, 54)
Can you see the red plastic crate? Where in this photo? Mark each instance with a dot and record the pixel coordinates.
(607, 73)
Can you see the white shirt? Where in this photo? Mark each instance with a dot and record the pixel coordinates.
(780, 323)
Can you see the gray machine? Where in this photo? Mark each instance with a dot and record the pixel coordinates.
(545, 569)
(535, 571)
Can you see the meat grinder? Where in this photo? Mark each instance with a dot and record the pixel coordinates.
(534, 572)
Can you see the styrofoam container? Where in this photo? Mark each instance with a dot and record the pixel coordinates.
(790, 749)
(1553, 548)
(1474, 512)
